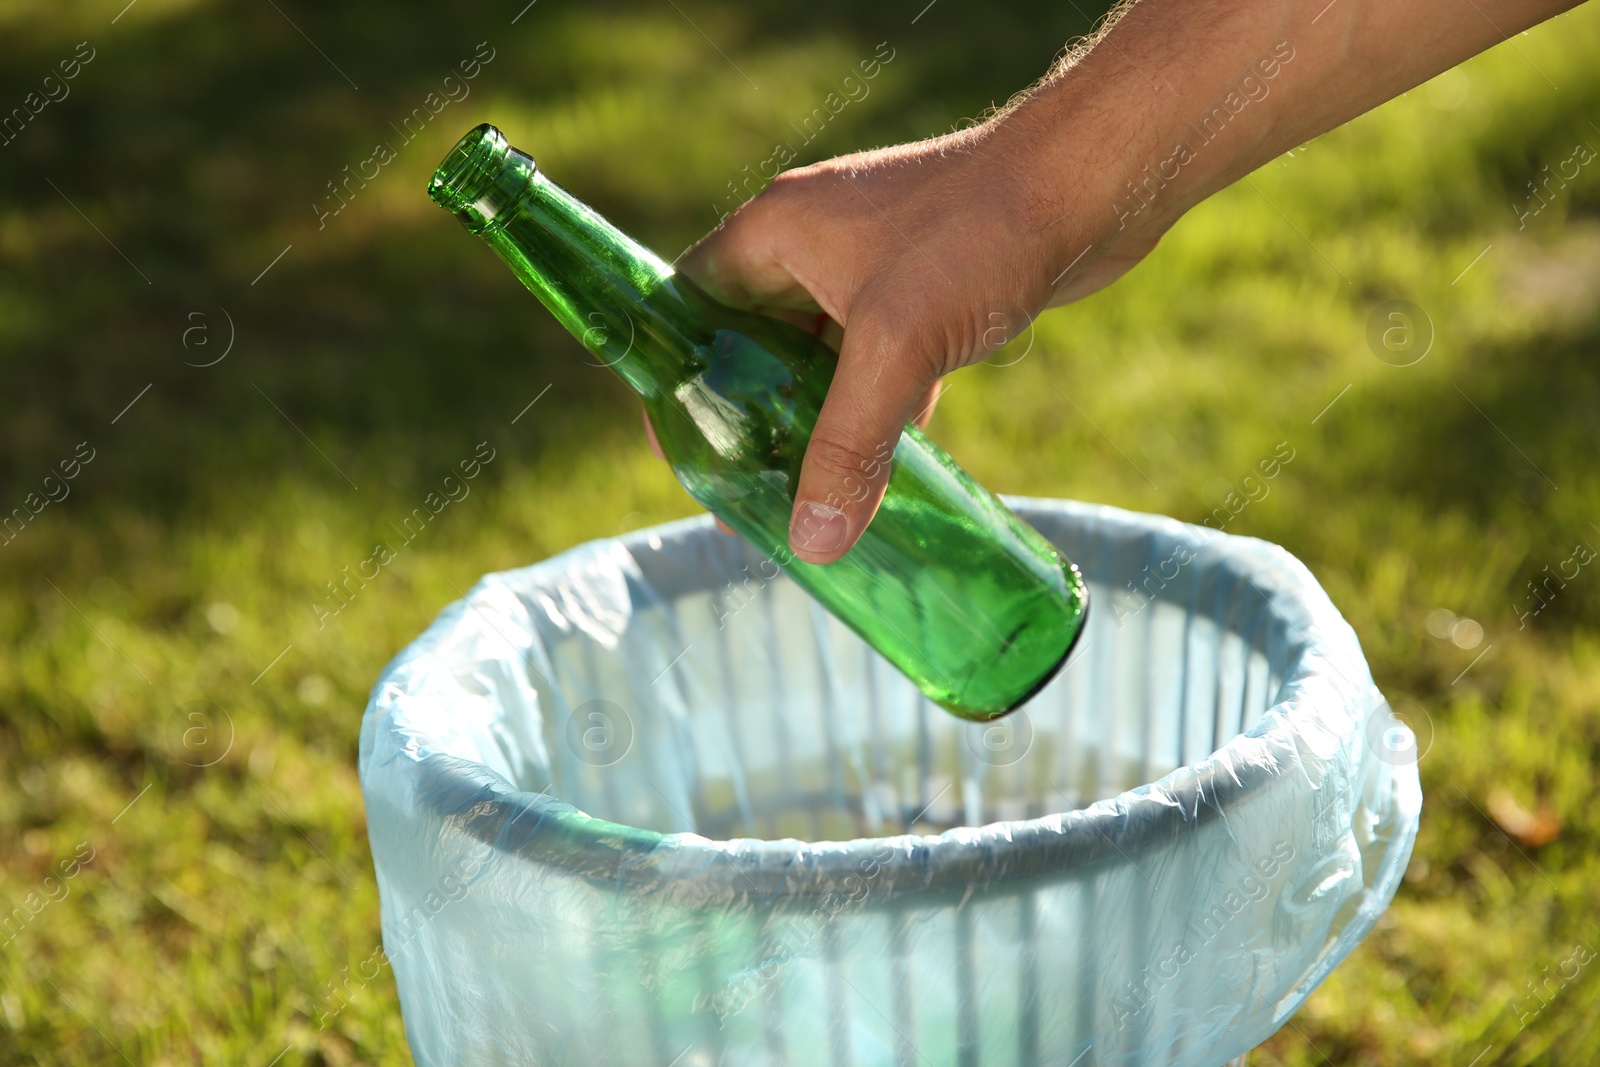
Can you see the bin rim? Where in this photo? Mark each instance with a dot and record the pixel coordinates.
(998, 856)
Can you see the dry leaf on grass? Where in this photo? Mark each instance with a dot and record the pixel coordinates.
(1525, 827)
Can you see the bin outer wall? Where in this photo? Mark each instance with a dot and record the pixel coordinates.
(551, 899)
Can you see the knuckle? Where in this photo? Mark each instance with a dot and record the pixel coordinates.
(786, 195)
(967, 339)
(902, 333)
(854, 469)
(922, 337)
(932, 349)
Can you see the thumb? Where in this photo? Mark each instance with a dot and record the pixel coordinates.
(883, 379)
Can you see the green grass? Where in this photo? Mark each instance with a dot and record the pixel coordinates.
(184, 566)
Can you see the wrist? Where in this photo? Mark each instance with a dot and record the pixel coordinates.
(1076, 145)
(1121, 141)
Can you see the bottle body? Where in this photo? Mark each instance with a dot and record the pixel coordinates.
(950, 586)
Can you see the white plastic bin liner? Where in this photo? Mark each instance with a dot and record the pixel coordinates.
(646, 804)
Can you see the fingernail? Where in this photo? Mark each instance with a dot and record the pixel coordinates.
(817, 529)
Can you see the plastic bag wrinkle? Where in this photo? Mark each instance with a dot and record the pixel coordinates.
(797, 859)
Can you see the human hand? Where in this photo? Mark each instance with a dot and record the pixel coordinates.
(819, 325)
(929, 256)
(914, 249)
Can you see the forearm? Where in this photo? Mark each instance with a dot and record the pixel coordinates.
(1183, 97)
(931, 254)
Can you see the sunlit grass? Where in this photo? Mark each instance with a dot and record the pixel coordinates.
(185, 573)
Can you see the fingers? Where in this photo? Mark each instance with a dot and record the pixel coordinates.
(885, 375)
(742, 261)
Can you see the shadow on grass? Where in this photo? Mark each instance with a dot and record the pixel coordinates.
(188, 156)
(376, 350)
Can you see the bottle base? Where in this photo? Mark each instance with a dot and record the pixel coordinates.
(1044, 679)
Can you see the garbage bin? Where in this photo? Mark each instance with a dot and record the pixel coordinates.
(646, 805)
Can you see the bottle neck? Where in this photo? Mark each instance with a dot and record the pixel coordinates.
(623, 302)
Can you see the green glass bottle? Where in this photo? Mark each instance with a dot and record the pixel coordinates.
(965, 598)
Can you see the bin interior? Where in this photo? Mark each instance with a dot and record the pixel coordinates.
(672, 681)
(742, 709)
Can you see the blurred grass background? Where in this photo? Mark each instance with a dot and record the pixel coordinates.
(172, 705)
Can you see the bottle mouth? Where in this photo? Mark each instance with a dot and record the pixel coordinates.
(480, 177)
